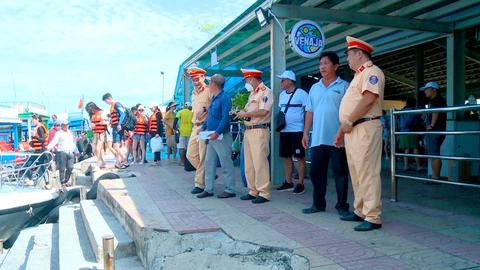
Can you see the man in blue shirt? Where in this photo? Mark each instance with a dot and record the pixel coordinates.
(322, 110)
(218, 121)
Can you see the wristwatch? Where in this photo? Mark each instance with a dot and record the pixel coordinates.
(348, 123)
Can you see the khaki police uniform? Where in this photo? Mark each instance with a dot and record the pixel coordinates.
(256, 143)
(197, 149)
(364, 144)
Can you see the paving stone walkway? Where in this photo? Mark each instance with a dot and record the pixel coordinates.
(432, 227)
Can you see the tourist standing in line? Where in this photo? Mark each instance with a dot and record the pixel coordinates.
(184, 117)
(218, 121)
(196, 148)
(359, 114)
(257, 114)
(139, 134)
(291, 135)
(435, 122)
(409, 143)
(170, 130)
(155, 127)
(322, 110)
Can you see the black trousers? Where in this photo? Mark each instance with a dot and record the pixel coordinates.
(156, 156)
(64, 165)
(321, 155)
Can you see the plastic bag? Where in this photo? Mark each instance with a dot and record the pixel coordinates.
(156, 143)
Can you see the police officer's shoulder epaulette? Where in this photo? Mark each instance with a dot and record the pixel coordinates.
(262, 88)
(369, 65)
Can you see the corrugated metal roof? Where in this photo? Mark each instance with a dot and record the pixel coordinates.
(243, 43)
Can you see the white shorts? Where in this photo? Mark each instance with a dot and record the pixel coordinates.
(183, 142)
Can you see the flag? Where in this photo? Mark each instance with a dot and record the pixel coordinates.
(80, 104)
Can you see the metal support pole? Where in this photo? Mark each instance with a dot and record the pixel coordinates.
(419, 74)
(83, 193)
(1, 247)
(277, 65)
(108, 253)
(393, 184)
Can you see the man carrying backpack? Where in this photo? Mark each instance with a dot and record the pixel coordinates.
(117, 117)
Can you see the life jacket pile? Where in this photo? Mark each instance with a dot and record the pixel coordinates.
(99, 126)
(36, 144)
(142, 125)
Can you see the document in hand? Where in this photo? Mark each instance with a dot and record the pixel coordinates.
(205, 135)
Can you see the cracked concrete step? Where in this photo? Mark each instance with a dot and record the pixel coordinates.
(74, 249)
(99, 221)
(35, 248)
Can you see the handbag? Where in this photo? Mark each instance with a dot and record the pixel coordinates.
(281, 122)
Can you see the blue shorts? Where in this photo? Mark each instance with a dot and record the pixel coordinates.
(433, 143)
(139, 137)
(116, 135)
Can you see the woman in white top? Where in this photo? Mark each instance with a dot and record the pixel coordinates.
(64, 143)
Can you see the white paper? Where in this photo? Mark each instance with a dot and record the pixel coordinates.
(205, 135)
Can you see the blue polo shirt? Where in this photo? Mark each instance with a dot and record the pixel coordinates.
(218, 118)
(324, 103)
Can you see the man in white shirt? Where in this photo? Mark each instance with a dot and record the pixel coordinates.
(292, 102)
(64, 143)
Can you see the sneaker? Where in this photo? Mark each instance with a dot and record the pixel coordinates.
(286, 186)
(299, 189)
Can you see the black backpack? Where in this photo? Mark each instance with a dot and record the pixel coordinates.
(130, 120)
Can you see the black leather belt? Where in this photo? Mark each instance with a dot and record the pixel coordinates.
(361, 120)
(258, 126)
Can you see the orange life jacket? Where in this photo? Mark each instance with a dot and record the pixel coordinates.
(37, 145)
(114, 117)
(141, 126)
(152, 123)
(99, 126)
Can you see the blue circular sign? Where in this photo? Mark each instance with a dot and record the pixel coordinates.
(307, 39)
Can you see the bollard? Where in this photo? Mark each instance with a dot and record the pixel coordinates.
(108, 253)
(83, 193)
(1, 247)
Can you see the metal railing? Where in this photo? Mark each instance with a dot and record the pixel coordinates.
(394, 154)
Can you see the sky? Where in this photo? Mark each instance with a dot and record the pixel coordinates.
(52, 52)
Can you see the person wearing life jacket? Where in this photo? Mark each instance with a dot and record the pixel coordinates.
(155, 126)
(38, 146)
(40, 134)
(117, 116)
(99, 126)
(139, 134)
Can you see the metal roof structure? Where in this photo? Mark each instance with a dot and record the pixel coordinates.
(415, 41)
(394, 27)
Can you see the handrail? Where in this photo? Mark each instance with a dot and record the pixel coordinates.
(444, 109)
(19, 173)
(394, 154)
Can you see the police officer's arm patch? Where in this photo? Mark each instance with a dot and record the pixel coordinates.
(373, 79)
(265, 99)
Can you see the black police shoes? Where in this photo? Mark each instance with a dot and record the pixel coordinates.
(247, 197)
(259, 199)
(351, 217)
(196, 190)
(367, 226)
(312, 209)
